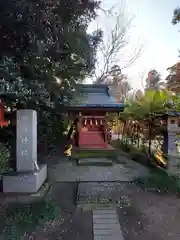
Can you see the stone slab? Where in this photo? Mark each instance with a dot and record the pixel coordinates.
(68, 172)
(106, 230)
(98, 226)
(105, 220)
(111, 193)
(25, 182)
(104, 211)
(95, 161)
(107, 238)
(9, 198)
(101, 216)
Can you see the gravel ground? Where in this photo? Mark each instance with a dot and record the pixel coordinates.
(150, 216)
(147, 215)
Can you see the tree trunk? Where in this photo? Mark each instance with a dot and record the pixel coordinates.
(138, 132)
(123, 131)
(127, 133)
(149, 137)
(132, 134)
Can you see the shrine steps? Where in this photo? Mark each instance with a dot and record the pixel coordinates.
(95, 162)
(94, 156)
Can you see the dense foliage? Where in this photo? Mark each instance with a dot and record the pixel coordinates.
(172, 79)
(176, 16)
(144, 120)
(44, 51)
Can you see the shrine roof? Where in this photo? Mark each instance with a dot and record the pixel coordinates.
(173, 114)
(95, 96)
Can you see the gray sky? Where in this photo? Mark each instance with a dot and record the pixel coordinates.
(152, 26)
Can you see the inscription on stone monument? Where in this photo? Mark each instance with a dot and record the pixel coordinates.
(26, 140)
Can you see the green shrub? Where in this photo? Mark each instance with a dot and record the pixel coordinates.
(4, 159)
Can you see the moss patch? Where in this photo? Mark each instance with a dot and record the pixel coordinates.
(21, 218)
(160, 180)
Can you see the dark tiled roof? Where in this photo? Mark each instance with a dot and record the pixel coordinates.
(174, 114)
(95, 95)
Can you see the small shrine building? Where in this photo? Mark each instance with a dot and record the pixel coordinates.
(88, 111)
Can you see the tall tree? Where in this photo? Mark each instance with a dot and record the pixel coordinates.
(119, 83)
(172, 79)
(172, 82)
(44, 51)
(48, 39)
(113, 48)
(147, 112)
(153, 80)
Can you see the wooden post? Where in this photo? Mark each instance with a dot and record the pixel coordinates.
(79, 127)
(1, 112)
(105, 130)
(118, 123)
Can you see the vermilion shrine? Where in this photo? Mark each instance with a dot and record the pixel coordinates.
(88, 111)
(3, 122)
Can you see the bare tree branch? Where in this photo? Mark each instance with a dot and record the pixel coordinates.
(107, 12)
(142, 76)
(115, 40)
(132, 59)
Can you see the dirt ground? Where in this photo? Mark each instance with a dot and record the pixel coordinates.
(151, 215)
(75, 225)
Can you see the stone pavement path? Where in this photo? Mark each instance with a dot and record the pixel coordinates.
(102, 193)
(93, 189)
(67, 171)
(106, 225)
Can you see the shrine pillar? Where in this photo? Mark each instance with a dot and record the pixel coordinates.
(79, 127)
(105, 131)
(3, 122)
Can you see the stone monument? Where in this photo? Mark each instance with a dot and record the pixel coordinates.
(28, 177)
(173, 127)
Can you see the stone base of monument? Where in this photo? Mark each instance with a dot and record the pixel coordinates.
(25, 182)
